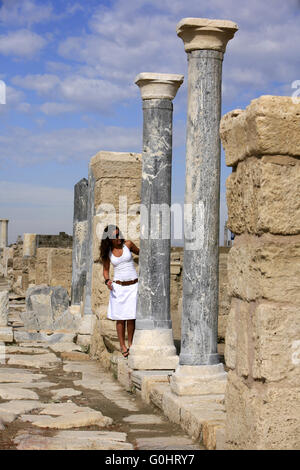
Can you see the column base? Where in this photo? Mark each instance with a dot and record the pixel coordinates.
(153, 350)
(199, 380)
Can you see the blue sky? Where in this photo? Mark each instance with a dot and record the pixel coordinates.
(69, 68)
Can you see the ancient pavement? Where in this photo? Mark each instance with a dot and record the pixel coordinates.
(48, 402)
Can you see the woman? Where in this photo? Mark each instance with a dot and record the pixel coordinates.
(124, 286)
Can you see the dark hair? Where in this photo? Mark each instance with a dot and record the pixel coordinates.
(106, 242)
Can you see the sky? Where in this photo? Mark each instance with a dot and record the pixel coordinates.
(69, 69)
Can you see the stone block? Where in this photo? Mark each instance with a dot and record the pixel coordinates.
(199, 380)
(268, 126)
(41, 274)
(263, 196)
(86, 325)
(113, 164)
(44, 306)
(149, 381)
(6, 334)
(4, 298)
(265, 267)
(156, 393)
(261, 417)
(84, 340)
(276, 334)
(60, 268)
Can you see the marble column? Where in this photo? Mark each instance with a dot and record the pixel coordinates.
(4, 233)
(80, 242)
(153, 345)
(29, 245)
(200, 370)
(89, 252)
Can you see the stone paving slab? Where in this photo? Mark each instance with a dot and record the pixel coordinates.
(65, 393)
(39, 361)
(8, 374)
(24, 350)
(20, 406)
(74, 440)
(10, 392)
(166, 443)
(65, 347)
(143, 419)
(69, 421)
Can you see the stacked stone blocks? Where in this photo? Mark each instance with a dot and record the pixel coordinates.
(262, 144)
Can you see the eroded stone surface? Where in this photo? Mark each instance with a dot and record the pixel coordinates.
(40, 361)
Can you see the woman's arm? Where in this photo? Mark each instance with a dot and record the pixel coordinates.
(106, 265)
(132, 247)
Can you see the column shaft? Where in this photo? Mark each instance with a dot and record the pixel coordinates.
(153, 309)
(200, 278)
(80, 241)
(89, 254)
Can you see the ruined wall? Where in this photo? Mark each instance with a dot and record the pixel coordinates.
(262, 144)
(115, 175)
(47, 264)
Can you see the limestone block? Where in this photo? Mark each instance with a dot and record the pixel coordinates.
(60, 267)
(44, 306)
(108, 191)
(239, 340)
(261, 417)
(86, 325)
(149, 381)
(6, 334)
(153, 350)
(199, 380)
(156, 393)
(4, 297)
(41, 274)
(114, 164)
(124, 374)
(263, 195)
(268, 126)
(277, 332)
(266, 267)
(84, 340)
(100, 292)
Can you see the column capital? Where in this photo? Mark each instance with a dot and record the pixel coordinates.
(203, 33)
(158, 85)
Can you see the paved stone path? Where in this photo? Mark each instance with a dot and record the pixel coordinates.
(50, 403)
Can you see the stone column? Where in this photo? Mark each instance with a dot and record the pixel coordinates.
(4, 233)
(89, 253)
(200, 371)
(80, 242)
(29, 244)
(153, 345)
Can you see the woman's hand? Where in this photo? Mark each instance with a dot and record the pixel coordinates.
(109, 285)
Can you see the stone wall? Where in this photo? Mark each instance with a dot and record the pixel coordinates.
(50, 264)
(262, 144)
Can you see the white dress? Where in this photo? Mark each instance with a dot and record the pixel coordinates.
(123, 299)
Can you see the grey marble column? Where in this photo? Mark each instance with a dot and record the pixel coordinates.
(80, 242)
(89, 253)
(153, 346)
(4, 233)
(205, 42)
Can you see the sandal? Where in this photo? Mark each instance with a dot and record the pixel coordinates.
(125, 353)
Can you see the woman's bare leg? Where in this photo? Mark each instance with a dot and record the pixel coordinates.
(130, 330)
(121, 334)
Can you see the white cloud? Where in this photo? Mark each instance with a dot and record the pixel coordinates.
(42, 84)
(21, 43)
(24, 12)
(66, 144)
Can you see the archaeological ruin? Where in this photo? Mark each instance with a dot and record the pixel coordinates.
(217, 341)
